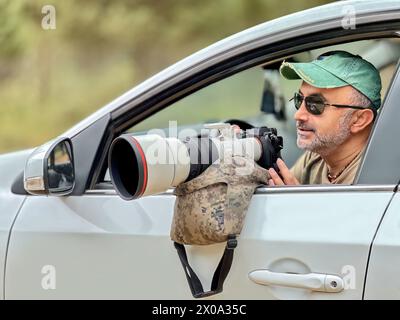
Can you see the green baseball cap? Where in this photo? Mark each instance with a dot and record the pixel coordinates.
(338, 69)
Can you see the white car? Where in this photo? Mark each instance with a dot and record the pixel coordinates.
(77, 239)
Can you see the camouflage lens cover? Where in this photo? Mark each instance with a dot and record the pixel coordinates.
(213, 205)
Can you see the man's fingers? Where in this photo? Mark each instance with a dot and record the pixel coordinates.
(236, 128)
(285, 176)
(275, 177)
(281, 164)
(271, 182)
(284, 170)
(285, 173)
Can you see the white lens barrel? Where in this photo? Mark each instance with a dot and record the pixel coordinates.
(180, 155)
(246, 147)
(151, 164)
(146, 165)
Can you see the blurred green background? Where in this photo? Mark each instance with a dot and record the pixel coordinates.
(51, 79)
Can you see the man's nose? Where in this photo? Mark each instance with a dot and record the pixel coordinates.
(301, 114)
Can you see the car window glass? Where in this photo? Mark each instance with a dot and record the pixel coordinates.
(235, 97)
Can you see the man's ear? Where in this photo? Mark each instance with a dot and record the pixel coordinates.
(361, 119)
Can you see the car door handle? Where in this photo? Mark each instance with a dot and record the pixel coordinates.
(310, 281)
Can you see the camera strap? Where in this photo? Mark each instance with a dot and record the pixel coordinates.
(220, 274)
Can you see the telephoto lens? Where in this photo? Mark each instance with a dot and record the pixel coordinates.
(142, 165)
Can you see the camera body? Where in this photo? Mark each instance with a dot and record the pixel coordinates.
(151, 164)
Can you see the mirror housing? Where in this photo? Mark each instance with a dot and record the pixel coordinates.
(49, 170)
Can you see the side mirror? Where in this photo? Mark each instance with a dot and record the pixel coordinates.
(50, 169)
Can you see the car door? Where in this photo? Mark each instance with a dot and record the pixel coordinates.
(100, 246)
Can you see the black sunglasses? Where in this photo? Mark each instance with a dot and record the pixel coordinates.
(315, 104)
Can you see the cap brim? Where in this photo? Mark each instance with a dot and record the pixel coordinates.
(312, 74)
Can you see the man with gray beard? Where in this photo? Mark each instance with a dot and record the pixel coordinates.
(336, 107)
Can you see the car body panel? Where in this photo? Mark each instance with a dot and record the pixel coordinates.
(382, 280)
(104, 247)
(10, 166)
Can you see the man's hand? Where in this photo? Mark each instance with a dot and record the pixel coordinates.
(286, 175)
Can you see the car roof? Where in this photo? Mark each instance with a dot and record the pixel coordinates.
(295, 24)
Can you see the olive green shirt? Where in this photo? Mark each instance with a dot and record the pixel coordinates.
(310, 168)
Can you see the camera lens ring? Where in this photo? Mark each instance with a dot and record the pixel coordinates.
(128, 167)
